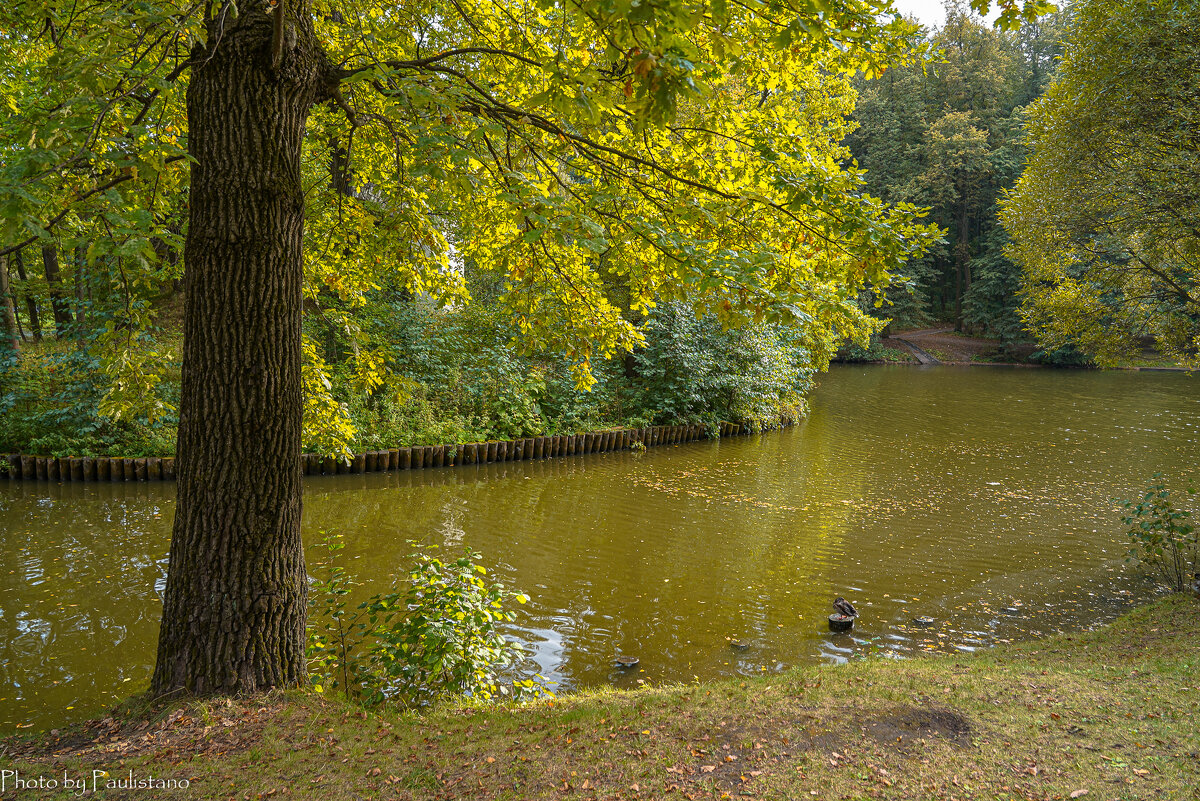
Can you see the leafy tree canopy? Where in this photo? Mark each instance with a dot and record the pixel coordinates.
(677, 151)
(1105, 220)
(946, 134)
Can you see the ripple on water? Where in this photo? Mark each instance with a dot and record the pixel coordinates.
(947, 493)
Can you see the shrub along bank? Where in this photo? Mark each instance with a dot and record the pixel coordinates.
(1106, 714)
(435, 377)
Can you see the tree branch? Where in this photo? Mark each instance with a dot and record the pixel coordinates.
(56, 219)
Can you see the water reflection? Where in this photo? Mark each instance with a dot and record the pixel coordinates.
(978, 498)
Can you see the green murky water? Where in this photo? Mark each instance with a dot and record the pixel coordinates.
(978, 497)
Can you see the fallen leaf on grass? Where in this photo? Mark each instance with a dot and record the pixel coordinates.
(1078, 793)
(707, 768)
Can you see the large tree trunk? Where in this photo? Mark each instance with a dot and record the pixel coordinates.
(58, 303)
(35, 323)
(962, 255)
(82, 292)
(234, 611)
(9, 313)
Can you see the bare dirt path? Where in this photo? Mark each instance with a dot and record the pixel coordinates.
(947, 347)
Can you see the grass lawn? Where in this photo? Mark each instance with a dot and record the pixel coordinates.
(1108, 714)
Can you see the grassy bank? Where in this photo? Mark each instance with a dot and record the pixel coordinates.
(1109, 714)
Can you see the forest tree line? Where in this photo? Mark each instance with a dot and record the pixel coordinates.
(93, 323)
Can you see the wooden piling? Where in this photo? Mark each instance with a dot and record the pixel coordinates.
(89, 468)
(139, 469)
(153, 468)
(168, 468)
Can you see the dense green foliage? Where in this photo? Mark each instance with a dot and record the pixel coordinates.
(1163, 535)
(946, 135)
(589, 164)
(449, 376)
(439, 636)
(1105, 220)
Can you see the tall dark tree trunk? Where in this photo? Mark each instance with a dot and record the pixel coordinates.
(58, 302)
(962, 255)
(234, 611)
(8, 312)
(82, 290)
(35, 323)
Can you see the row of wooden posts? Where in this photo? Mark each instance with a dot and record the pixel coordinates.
(152, 468)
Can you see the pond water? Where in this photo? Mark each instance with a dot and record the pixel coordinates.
(979, 497)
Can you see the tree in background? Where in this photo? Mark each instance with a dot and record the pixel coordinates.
(1105, 220)
(947, 136)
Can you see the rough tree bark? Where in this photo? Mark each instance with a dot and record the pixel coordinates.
(9, 311)
(35, 324)
(234, 611)
(58, 302)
